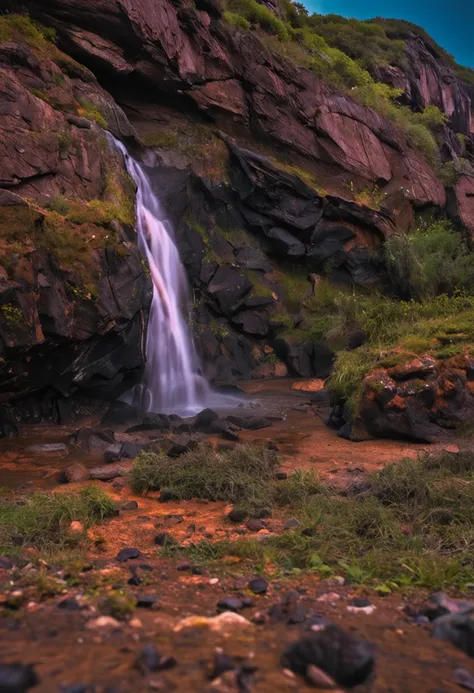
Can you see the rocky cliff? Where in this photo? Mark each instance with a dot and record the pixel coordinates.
(270, 175)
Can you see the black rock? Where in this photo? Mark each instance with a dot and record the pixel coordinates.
(176, 518)
(254, 525)
(146, 601)
(150, 660)
(230, 604)
(258, 586)
(69, 604)
(165, 539)
(113, 453)
(176, 450)
(291, 524)
(250, 423)
(359, 602)
(5, 563)
(347, 659)
(127, 554)
(197, 570)
(222, 663)
(297, 614)
(17, 678)
(129, 450)
(183, 566)
(167, 495)
(205, 418)
(458, 628)
(135, 580)
(237, 516)
(120, 413)
(280, 476)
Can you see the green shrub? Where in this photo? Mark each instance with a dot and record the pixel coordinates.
(91, 112)
(255, 13)
(236, 20)
(432, 260)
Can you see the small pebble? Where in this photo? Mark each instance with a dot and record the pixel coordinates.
(127, 554)
(258, 586)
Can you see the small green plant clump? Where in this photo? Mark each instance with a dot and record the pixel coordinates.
(42, 520)
(244, 476)
(91, 111)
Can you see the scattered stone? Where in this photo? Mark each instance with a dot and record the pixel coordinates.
(77, 688)
(297, 614)
(166, 496)
(291, 524)
(146, 601)
(197, 570)
(176, 519)
(130, 450)
(17, 678)
(225, 622)
(457, 628)
(255, 525)
(464, 678)
(319, 679)
(109, 471)
(135, 623)
(128, 554)
(222, 663)
(91, 440)
(5, 563)
(204, 419)
(183, 566)
(150, 660)
(368, 610)
(76, 527)
(47, 448)
(102, 622)
(250, 423)
(258, 586)
(329, 597)
(237, 516)
(135, 579)
(76, 472)
(349, 660)
(69, 604)
(128, 505)
(337, 580)
(230, 604)
(281, 476)
(112, 453)
(165, 539)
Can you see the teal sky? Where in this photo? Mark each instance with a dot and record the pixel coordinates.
(451, 23)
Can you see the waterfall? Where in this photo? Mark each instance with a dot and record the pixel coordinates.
(173, 383)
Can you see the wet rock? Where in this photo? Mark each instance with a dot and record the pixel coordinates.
(457, 628)
(250, 423)
(17, 678)
(229, 289)
(464, 678)
(349, 660)
(230, 604)
(237, 516)
(120, 413)
(76, 472)
(91, 440)
(112, 454)
(255, 525)
(45, 448)
(205, 418)
(258, 586)
(128, 554)
(108, 472)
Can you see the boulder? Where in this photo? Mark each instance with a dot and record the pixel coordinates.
(228, 288)
(76, 472)
(92, 440)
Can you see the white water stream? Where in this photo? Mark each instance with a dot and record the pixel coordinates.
(173, 383)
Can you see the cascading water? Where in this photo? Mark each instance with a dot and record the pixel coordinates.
(172, 383)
